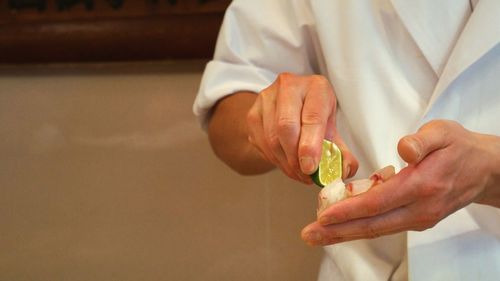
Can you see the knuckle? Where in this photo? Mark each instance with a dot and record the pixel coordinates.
(426, 191)
(312, 118)
(284, 78)
(306, 149)
(251, 140)
(436, 124)
(253, 117)
(433, 189)
(273, 141)
(445, 127)
(322, 86)
(373, 208)
(370, 230)
(286, 125)
(267, 95)
(319, 80)
(264, 94)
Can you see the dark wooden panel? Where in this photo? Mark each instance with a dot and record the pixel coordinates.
(139, 30)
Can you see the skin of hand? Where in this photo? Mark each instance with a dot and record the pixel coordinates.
(289, 120)
(448, 168)
(227, 132)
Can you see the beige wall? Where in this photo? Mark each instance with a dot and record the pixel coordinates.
(105, 175)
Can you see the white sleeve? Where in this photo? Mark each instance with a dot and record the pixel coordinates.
(258, 40)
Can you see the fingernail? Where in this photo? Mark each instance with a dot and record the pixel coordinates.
(347, 171)
(307, 165)
(415, 147)
(327, 220)
(313, 237)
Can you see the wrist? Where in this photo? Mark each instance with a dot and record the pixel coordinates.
(492, 186)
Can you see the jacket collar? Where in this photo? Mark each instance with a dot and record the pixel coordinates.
(480, 35)
(450, 46)
(434, 25)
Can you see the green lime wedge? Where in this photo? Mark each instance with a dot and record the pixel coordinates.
(330, 165)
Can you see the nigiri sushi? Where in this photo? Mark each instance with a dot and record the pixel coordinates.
(338, 190)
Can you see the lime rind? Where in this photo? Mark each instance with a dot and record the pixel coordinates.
(330, 165)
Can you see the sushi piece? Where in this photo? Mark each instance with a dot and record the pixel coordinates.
(338, 190)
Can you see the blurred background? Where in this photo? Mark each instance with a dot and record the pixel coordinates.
(105, 173)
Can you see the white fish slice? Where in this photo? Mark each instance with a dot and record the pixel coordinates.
(337, 190)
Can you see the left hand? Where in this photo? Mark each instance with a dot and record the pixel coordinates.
(448, 168)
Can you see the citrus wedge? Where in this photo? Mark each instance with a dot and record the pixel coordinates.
(330, 165)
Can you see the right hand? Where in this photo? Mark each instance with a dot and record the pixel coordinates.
(289, 120)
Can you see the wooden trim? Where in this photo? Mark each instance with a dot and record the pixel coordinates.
(176, 34)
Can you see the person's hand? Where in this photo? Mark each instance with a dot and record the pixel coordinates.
(449, 168)
(289, 120)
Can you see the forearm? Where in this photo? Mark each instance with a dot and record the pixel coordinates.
(227, 131)
(491, 196)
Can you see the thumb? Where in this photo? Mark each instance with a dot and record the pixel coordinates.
(349, 162)
(429, 138)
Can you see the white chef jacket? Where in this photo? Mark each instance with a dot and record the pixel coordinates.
(394, 65)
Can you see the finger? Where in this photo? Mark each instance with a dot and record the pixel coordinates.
(265, 134)
(318, 105)
(288, 114)
(349, 162)
(383, 174)
(395, 221)
(430, 137)
(257, 139)
(269, 125)
(378, 200)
